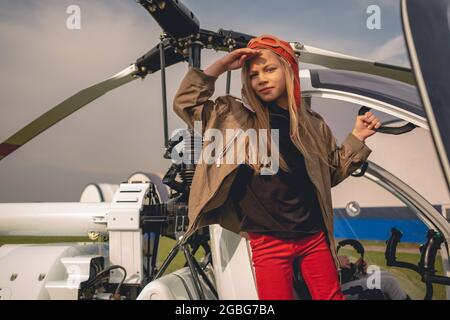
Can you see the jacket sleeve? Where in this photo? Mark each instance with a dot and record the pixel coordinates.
(191, 102)
(346, 158)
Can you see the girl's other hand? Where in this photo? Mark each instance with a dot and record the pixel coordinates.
(365, 126)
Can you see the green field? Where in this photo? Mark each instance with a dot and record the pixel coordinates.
(408, 279)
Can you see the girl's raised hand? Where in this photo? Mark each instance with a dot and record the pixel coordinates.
(236, 58)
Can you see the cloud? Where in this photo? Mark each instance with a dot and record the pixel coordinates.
(393, 51)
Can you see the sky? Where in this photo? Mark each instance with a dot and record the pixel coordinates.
(42, 62)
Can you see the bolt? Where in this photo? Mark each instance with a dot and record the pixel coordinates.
(162, 5)
(298, 45)
(93, 235)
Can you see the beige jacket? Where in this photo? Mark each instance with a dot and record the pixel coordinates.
(208, 199)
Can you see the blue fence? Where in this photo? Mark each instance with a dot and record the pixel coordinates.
(376, 224)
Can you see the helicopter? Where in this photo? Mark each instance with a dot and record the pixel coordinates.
(147, 207)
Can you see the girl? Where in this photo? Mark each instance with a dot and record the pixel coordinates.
(288, 214)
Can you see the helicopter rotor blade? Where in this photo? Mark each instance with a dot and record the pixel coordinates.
(334, 60)
(64, 109)
(180, 23)
(173, 17)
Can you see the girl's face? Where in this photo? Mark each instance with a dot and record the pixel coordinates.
(267, 78)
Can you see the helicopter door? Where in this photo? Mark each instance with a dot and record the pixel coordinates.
(426, 26)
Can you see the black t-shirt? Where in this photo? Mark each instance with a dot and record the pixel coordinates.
(285, 204)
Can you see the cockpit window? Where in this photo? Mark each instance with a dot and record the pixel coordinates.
(390, 91)
(366, 212)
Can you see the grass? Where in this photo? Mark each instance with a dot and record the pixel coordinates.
(41, 240)
(408, 279)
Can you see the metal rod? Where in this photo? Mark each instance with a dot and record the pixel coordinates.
(191, 264)
(148, 255)
(195, 50)
(230, 48)
(168, 260)
(163, 84)
(205, 277)
(429, 291)
(440, 280)
(155, 250)
(228, 81)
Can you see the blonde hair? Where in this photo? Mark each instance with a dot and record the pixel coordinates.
(261, 120)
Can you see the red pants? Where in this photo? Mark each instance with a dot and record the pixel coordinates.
(273, 261)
